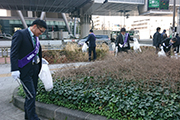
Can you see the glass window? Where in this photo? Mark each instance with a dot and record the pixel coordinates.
(11, 22)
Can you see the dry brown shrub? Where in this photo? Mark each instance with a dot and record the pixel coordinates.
(73, 53)
(71, 47)
(146, 67)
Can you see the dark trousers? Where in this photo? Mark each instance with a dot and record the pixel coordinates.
(177, 49)
(167, 51)
(123, 50)
(94, 53)
(157, 49)
(31, 81)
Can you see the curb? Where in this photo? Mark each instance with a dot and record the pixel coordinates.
(54, 112)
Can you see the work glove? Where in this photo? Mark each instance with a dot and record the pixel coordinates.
(164, 45)
(120, 45)
(15, 74)
(161, 47)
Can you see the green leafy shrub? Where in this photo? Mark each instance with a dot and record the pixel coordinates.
(112, 99)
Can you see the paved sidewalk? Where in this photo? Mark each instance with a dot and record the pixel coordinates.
(7, 85)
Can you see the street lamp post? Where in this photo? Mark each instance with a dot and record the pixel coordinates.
(174, 13)
(178, 21)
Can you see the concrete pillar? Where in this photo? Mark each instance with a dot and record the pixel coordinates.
(178, 21)
(75, 24)
(30, 14)
(43, 14)
(85, 25)
(22, 18)
(9, 13)
(66, 22)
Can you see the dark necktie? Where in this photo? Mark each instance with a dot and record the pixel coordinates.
(34, 40)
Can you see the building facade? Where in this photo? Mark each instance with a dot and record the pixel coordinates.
(10, 21)
(146, 25)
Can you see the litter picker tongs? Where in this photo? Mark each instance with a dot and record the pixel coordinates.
(24, 87)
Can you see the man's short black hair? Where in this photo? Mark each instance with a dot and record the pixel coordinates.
(90, 30)
(174, 39)
(177, 34)
(158, 28)
(123, 30)
(40, 23)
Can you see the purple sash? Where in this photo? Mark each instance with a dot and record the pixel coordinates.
(30, 56)
(94, 35)
(125, 40)
(170, 44)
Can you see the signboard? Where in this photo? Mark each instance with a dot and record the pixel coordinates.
(153, 4)
(158, 4)
(164, 5)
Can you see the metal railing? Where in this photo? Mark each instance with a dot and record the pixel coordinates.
(5, 52)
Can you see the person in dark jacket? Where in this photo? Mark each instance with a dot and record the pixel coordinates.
(163, 35)
(177, 44)
(167, 44)
(157, 39)
(26, 62)
(92, 44)
(122, 41)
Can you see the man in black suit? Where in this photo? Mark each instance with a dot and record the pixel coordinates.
(167, 44)
(177, 44)
(26, 61)
(122, 41)
(92, 44)
(157, 39)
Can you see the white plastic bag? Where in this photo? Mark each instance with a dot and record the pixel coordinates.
(161, 53)
(44, 61)
(84, 47)
(113, 46)
(136, 45)
(45, 76)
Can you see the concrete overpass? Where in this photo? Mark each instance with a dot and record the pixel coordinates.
(84, 9)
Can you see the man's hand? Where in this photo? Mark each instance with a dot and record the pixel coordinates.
(164, 45)
(15, 74)
(86, 42)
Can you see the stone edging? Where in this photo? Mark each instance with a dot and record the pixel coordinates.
(55, 112)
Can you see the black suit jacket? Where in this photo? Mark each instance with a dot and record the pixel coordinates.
(21, 46)
(167, 46)
(119, 40)
(92, 40)
(157, 39)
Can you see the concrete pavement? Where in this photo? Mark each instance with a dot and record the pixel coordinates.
(7, 85)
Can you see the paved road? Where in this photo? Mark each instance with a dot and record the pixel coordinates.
(57, 44)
